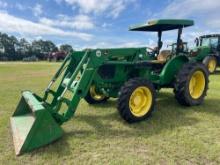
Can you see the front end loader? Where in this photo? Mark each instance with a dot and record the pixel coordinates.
(133, 75)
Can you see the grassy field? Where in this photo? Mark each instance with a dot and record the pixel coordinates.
(97, 134)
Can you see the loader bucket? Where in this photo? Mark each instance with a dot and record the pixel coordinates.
(32, 125)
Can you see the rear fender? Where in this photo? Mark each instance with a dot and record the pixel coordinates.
(171, 68)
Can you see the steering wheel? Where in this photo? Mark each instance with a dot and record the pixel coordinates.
(151, 52)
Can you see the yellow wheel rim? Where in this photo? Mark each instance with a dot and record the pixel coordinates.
(197, 84)
(95, 95)
(140, 101)
(212, 65)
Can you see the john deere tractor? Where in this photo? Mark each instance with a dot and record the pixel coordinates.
(208, 51)
(133, 75)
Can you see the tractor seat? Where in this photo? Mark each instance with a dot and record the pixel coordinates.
(162, 57)
(160, 62)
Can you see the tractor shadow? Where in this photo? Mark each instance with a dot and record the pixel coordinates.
(217, 72)
(168, 116)
(111, 103)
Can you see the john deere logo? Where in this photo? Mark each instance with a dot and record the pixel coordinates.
(98, 53)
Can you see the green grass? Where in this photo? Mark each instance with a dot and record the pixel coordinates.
(97, 134)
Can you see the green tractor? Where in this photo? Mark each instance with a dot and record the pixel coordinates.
(133, 75)
(208, 51)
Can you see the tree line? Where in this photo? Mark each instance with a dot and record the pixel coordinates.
(12, 48)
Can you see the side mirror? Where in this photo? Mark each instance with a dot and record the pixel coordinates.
(197, 41)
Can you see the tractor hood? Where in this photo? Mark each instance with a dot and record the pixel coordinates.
(200, 52)
(198, 48)
(162, 25)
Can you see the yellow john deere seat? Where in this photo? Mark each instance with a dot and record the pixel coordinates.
(32, 125)
(162, 57)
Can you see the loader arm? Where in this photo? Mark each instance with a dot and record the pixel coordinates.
(76, 80)
(35, 121)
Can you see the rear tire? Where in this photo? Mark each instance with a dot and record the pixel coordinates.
(93, 97)
(211, 63)
(191, 84)
(136, 100)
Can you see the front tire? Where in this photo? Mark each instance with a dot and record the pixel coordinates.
(95, 97)
(191, 84)
(211, 63)
(136, 100)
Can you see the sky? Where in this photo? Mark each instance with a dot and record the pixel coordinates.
(104, 23)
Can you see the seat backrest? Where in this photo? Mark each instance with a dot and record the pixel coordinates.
(163, 56)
